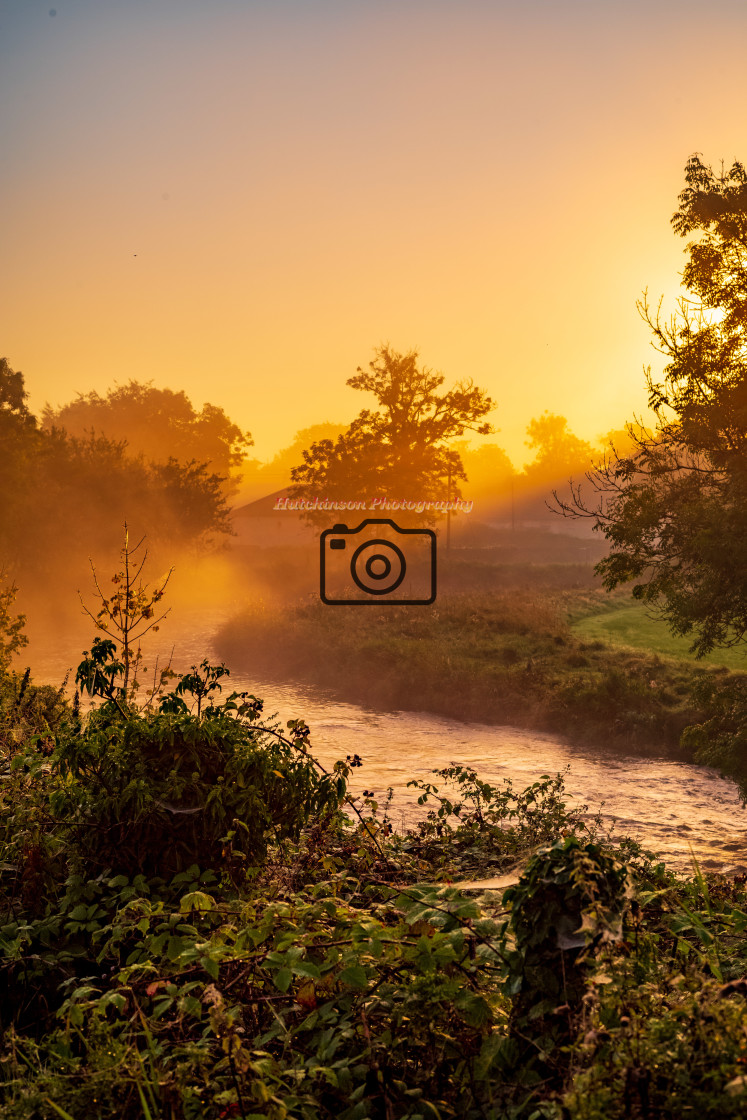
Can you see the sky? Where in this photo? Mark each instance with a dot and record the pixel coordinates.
(243, 198)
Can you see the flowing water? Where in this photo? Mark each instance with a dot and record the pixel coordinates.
(675, 809)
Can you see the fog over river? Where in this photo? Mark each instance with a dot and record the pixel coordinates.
(671, 807)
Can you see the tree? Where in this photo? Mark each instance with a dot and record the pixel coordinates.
(62, 496)
(558, 452)
(14, 412)
(20, 443)
(159, 424)
(400, 449)
(489, 471)
(12, 637)
(674, 509)
(126, 615)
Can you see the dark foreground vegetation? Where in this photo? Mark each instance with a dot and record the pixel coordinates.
(195, 922)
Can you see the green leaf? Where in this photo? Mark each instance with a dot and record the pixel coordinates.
(307, 968)
(115, 999)
(474, 1009)
(354, 976)
(283, 978)
(196, 900)
(143, 1103)
(211, 966)
(190, 1005)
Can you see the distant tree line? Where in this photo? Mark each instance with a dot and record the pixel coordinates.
(139, 454)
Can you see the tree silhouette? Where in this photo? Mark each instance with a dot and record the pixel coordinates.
(559, 453)
(62, 497)
(401, 448)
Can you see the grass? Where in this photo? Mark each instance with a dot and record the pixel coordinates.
(623, 624)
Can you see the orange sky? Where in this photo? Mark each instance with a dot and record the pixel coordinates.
(241, 198)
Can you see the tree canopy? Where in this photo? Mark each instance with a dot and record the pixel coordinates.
(63, 496)
(674, 508)
(14, 413)
(160, 424)
(401, 448)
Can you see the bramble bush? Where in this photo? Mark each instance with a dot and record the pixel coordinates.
(158, 791)
(327, 974)
(480, 827)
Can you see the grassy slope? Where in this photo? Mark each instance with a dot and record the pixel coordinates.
(622, 623)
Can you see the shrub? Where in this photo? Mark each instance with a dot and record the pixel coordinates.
(482, 828)
(155, 792)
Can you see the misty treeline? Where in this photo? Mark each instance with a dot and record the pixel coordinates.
(70, 478)
(72, 475)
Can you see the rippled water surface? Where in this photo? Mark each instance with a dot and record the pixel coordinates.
(671, 807)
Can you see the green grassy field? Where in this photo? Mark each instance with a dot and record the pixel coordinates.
(627, 624)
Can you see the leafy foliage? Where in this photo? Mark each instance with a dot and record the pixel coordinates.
(674, 508)
(12, 637)
(720, 740)
(198, 922)
(480, 827)
(571, 897)
(156, 792)
(332, 980)
(26, 710)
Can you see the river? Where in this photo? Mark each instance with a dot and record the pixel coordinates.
(675, 809)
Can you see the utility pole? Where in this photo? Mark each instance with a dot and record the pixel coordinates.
(448, 512)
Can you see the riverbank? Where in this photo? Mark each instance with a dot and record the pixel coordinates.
(504, 657)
